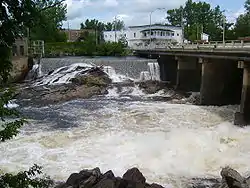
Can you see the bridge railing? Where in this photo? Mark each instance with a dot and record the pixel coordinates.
(236, 44)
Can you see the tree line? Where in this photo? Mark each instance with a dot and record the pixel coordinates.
(199, 17)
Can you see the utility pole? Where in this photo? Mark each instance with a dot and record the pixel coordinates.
(182, 25)
(223, 33)
(68, 31)
(197, 32)
(115, 28)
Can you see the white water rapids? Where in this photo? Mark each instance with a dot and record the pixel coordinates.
(167, 142)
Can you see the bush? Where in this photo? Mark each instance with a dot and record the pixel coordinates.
(86, 48)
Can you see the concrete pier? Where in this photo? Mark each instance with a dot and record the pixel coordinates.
(243, 116)
(188, 74)
(168, 69)
(221, 82)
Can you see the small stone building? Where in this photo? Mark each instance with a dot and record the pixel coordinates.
(20, 47)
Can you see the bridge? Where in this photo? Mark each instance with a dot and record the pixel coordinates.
(220, 71)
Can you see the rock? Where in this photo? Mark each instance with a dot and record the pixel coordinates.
(74, 180)
(154, 185)
(232, 179)
(109, 174)
(151, 87)
(123, 183)
(105, 183)
(134, 175)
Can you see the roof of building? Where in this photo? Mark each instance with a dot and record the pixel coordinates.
(161, 25)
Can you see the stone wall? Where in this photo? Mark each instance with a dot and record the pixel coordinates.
(20, 69)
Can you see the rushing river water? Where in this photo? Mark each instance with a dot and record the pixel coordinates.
(169, 143)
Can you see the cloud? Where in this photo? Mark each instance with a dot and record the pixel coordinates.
(233, 15)
(132, 12)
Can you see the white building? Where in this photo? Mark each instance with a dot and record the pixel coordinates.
(141, 36)
(204, 37)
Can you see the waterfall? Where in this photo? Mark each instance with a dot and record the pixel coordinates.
(115, 76)
(154, 71)
(109, 70)
(35, 72)
(145, 75)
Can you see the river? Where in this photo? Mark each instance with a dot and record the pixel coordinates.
(169, 143)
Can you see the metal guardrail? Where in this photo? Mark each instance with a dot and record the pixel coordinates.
(228, 45)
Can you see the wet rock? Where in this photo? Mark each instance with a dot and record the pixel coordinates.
(232, 179)
(135, 175)
(154, 185)
(95, 82)
(74, 180)
(151, 87)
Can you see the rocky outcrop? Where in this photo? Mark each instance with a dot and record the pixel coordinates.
(91, 83)
(152, 87)
(133, 178)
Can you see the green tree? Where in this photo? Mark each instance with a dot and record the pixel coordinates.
(198, 17)
(15, 17)
(242, 25)
(247, 5)
(118, 25)
(50, 22)
(109, 26)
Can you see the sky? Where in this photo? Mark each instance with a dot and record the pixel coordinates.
(135, 12)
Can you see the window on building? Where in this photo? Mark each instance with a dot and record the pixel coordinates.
(110, 36)
(172, 34)
(161, 33)
(14, 50)
(152, 33)
(106, 36)
(178, 34)
(134, 35)
(125, 35)
(145, 34)
(22, 50)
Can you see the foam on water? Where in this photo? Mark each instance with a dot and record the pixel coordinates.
(114, 76)
(64, 74)
(11, 104)
(166, 141)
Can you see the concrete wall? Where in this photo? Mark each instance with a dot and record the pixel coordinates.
(19, 60)
(168, 69)
(188, 74)
(221, 82)
(20, 69)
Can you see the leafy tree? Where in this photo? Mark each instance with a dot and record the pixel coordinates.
(118, 25)
(109, 26)
(198, 17)
(50, 22)
(247, 5)
(15, 17)
(123, 41)
(242, 25)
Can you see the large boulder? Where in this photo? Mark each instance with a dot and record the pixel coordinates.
(232, 179)
(133, 178)
(135, 175)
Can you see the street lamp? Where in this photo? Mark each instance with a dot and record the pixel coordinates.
(150, 23)
(115, 27)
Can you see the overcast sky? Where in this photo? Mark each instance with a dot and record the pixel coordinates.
(135, 12)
